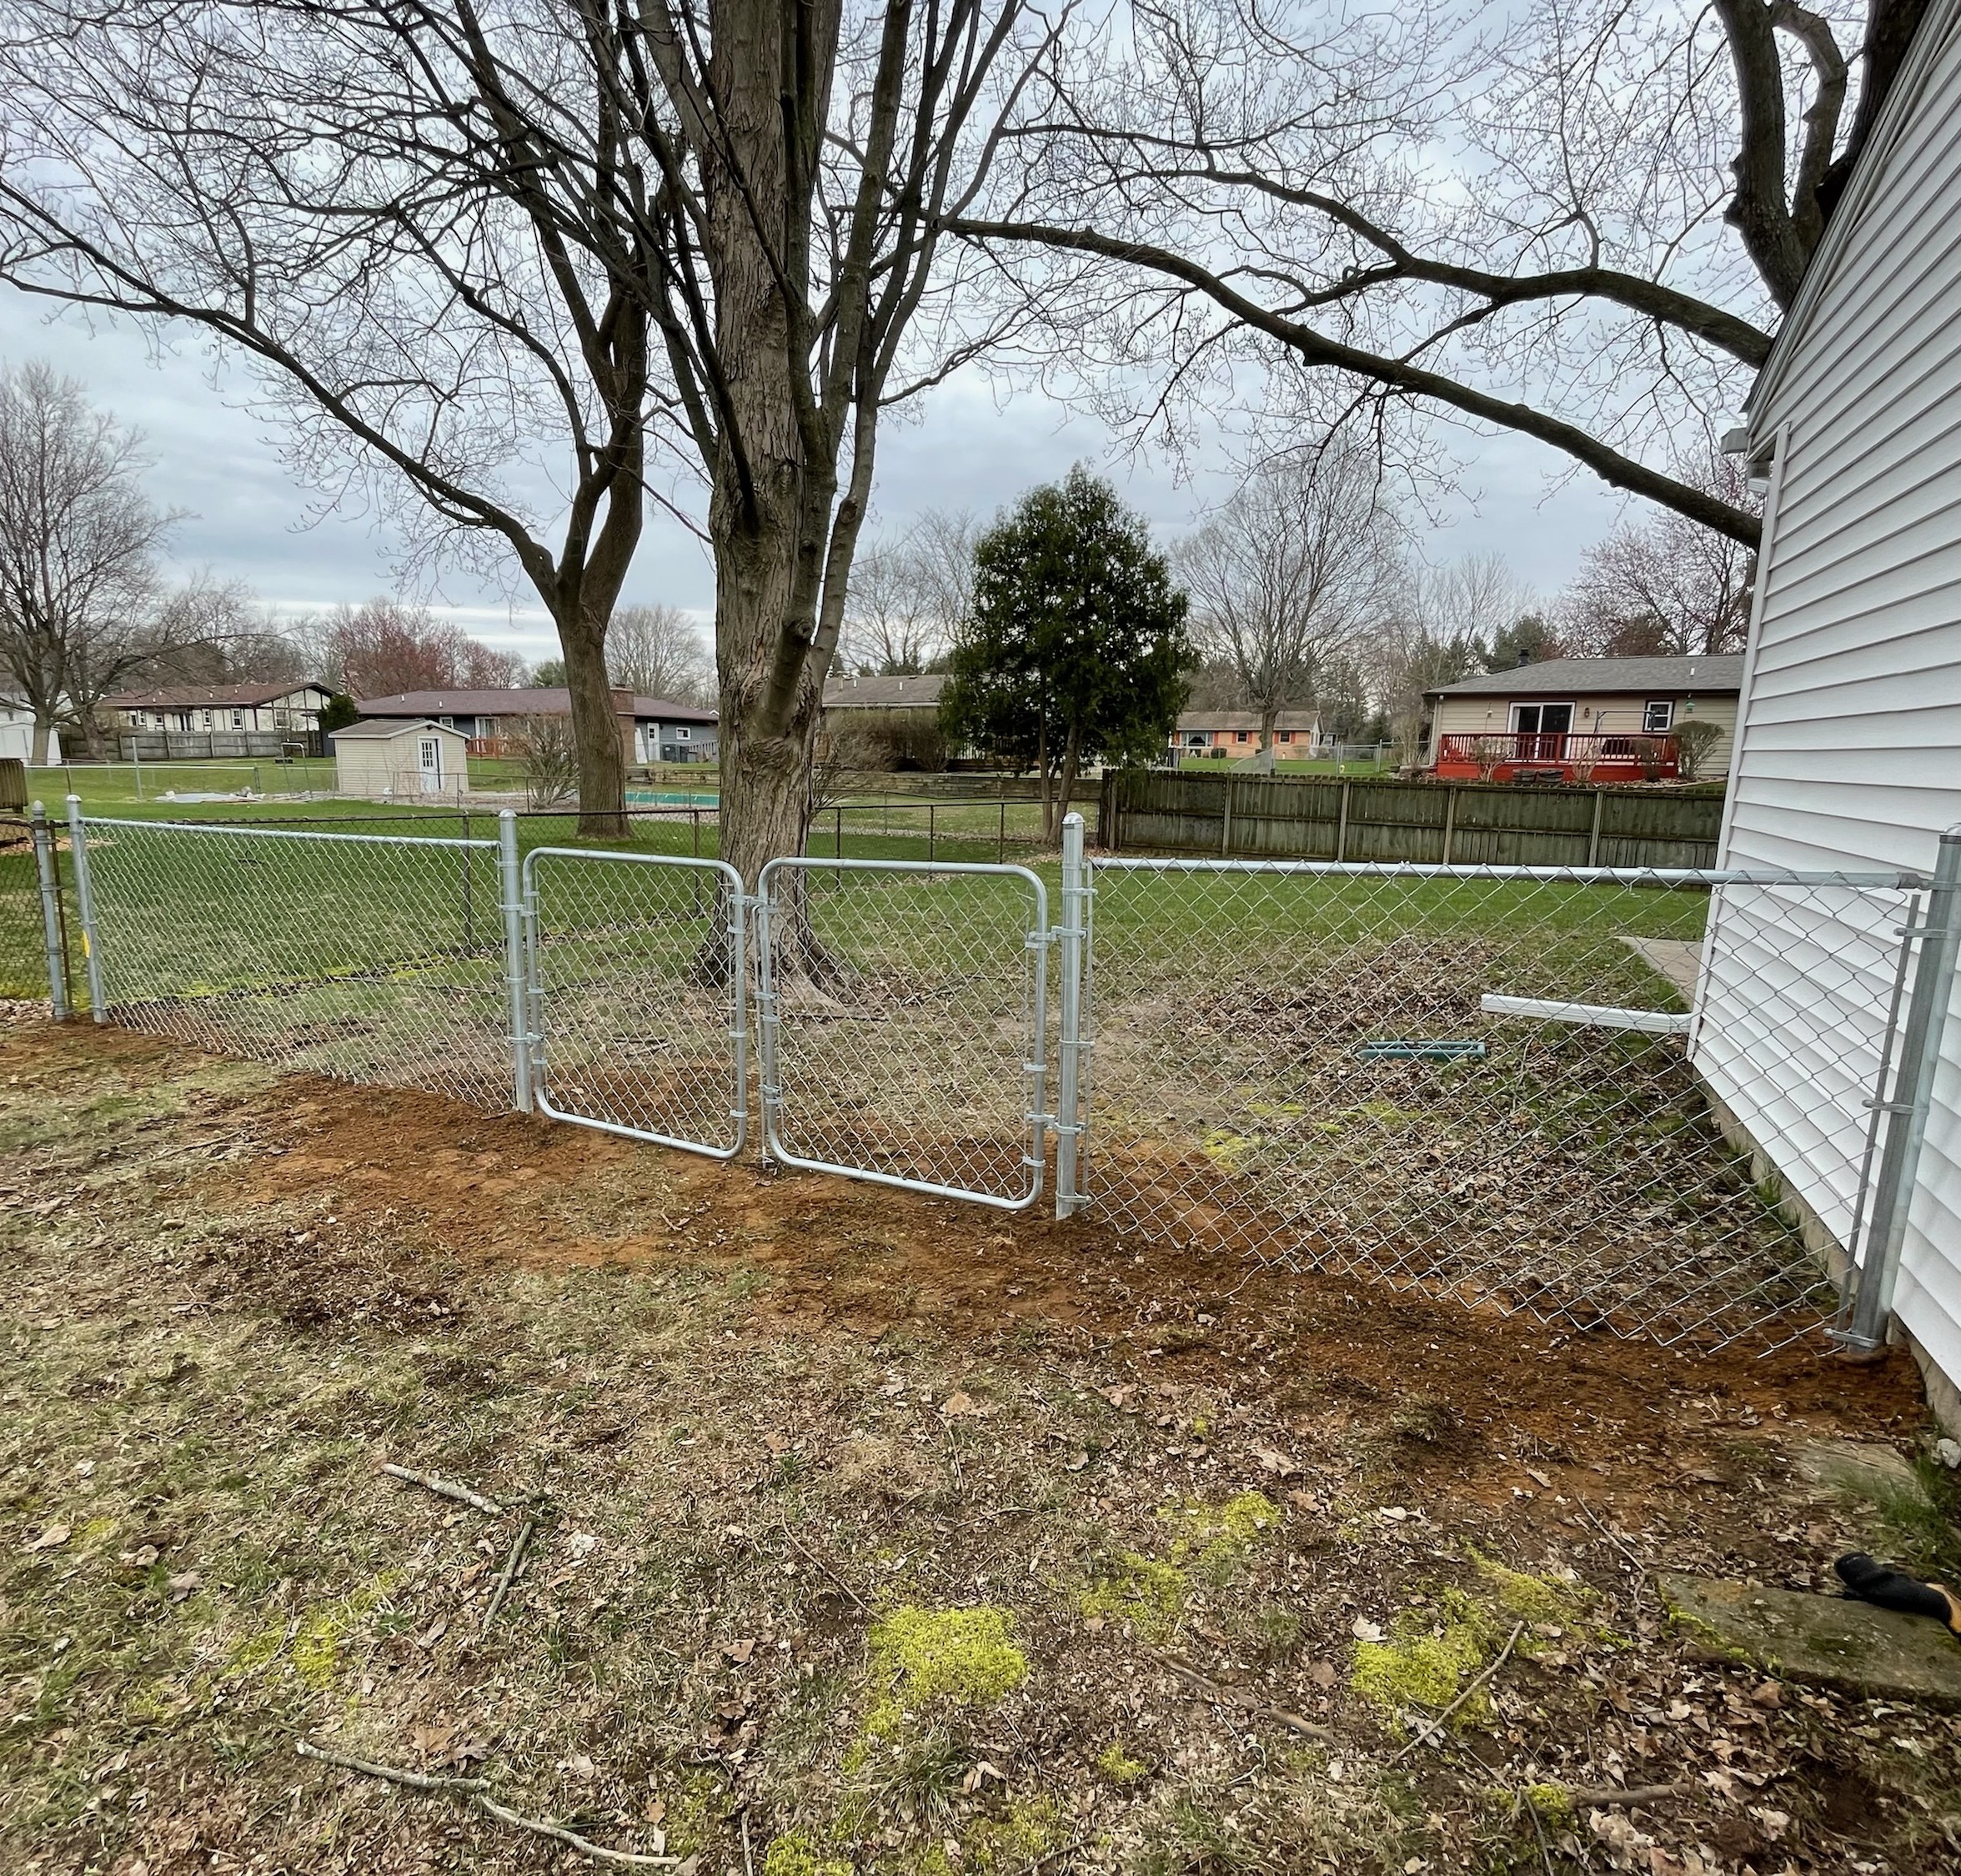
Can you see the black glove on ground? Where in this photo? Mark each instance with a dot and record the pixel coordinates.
(1873, 1582)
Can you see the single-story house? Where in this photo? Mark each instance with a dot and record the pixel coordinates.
(651, 729)
(1849, 750)
(407, 755)
(16, 735)
(896, 720)
(1582, 720)
(1216, 734)
(202, 709)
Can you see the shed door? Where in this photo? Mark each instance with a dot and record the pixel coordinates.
(431, 756)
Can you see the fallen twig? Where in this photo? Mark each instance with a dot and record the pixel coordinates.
(1436, 1726)
(1047, 1857)
(446, 1488)
(811, 1557)
(395, 1775)
(1640, 1569)
(472, 1792)
(509, 1573)
(1582, 1796)
(1237, 1696)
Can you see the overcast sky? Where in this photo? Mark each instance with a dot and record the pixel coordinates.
(974, 446)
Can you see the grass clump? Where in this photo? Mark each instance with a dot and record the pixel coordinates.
(931, 1660)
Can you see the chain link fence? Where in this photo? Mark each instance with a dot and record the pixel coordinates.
(1671, 1105)
(904, 1023)
(372, 957)
(1480, 1082)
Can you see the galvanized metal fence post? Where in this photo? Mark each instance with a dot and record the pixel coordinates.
(98, 1003)
(51, 924)
(511, 903)
(1913, 1097)
(1071, 932)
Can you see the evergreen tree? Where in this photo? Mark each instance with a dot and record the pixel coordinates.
(1076, 650)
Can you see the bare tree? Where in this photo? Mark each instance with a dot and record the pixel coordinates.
(214, 631)
(1472, 599)
(79, 542)
(385, 646)
(1291, 571)
(1664, 587)
(658, 651)
(892, 626)
(1583, 224)
(694, 236)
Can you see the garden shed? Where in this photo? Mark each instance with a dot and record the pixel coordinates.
(417, 757)
(1848, 750)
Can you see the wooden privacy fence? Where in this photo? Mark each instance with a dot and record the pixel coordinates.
(1463, 824)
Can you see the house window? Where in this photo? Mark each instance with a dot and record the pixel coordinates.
(1239, 736)
(184, 720)
(1286, 735)
(238, 720)
(681, 734)
(1195, 738)
(1542, 720)
(1659, 718)
(207, 720)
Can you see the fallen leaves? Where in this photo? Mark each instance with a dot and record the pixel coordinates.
(52, 1538)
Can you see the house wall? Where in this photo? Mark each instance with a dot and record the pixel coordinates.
(16, 737)
(1850, 750)
(298, 709)
(1596, 713)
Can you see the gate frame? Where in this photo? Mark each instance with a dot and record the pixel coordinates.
(1038, 938)
(729, 881)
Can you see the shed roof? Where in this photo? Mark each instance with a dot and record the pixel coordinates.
(381, 730)
(1632, 676)
(524, 701)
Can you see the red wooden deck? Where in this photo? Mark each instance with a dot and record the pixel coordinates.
(1532, 756)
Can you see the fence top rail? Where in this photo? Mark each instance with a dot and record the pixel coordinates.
(811, 862)
(233, 827)
(1660, 876)
(686, 861)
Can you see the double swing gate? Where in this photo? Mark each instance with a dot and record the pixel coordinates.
(1676, 1105)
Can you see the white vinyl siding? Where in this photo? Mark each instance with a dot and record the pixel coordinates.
(1849, 752)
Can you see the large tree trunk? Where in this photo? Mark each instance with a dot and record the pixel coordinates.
(43, 725)
(595, 730)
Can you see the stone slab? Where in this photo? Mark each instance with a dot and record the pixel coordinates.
(1829, 1641)
(1679, 960)
(1861, 1470)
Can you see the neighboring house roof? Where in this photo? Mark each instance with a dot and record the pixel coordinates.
(1246, 719)
(1635, 676)
(388, 727)
(189, 697)
(885, 693)
(545, 701)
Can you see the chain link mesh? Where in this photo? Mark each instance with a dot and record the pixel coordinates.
(1307, 1067)
(903, 1013)
(23, 949)
(357, 956)
(637, 1007)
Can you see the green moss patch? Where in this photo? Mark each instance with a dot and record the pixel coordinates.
(934, 1660)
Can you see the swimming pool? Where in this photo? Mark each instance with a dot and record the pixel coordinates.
(666, 798)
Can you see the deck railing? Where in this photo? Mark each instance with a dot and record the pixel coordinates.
(1619, 755)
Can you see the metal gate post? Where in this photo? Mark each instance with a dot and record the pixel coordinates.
(98, 1003)
(1913, 1096)
(1072, 932)
(510, 899)
(51, 932)
(769, 1087)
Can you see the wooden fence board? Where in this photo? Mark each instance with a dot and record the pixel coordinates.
(1472, 824)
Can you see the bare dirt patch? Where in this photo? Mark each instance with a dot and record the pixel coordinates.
(895, 1535)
